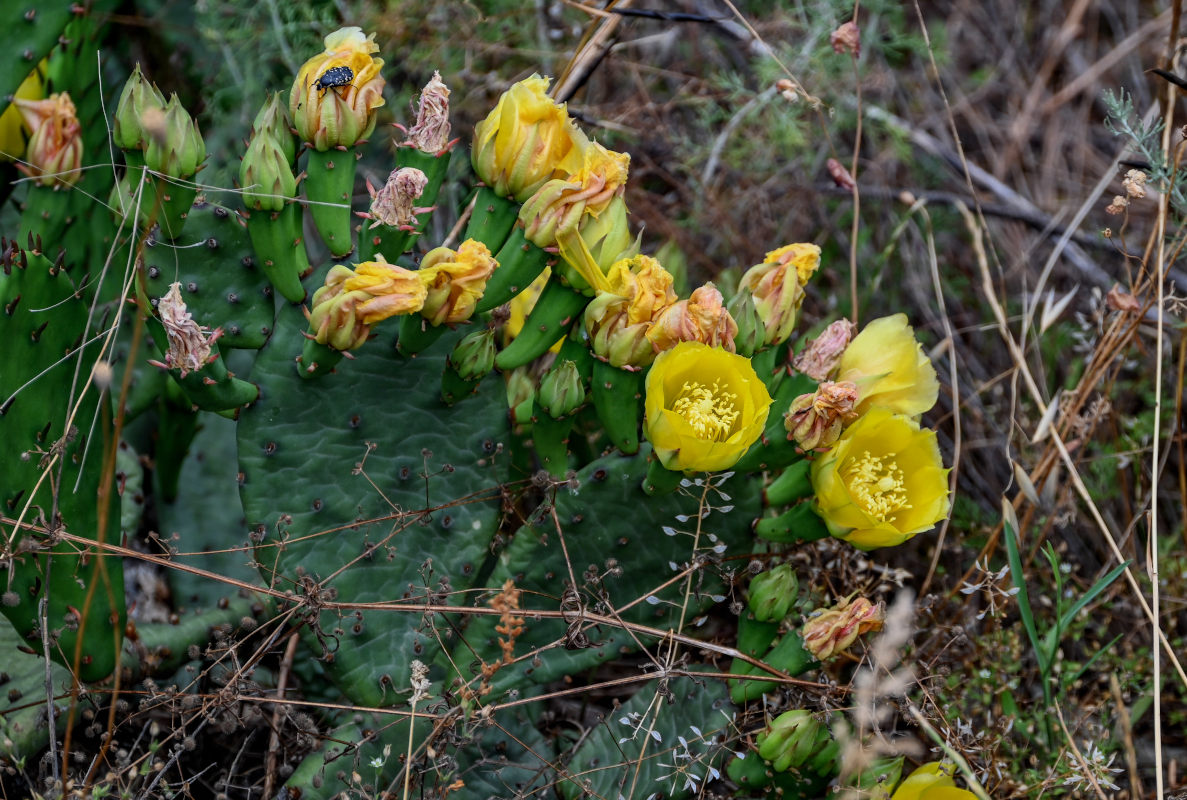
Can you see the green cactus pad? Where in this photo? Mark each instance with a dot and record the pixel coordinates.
(316, 515)
(609, 524)
(220, 282)
(672, 745)
(45, 377)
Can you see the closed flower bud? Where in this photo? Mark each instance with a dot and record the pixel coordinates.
(796, 739)
(333, 99)
(174, 147)
(561, 390)
(394, 203)
(127, 128)
(617, 320)
(556, 209)
(834, 630)
(701, 318)
(190, 344)
(265, 175)
(474, 356)
(54, 154)
(751, 332)
(351, 301)
(454, 281)
(273, 120)
(521, 393)
(814, 421)
(821, 358)
(890, 368)
(526, 140)
(772, 593)
(846, 39)
(12, 127)
(778, 287)
(430, 133)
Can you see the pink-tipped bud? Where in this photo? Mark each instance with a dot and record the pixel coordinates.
(701, 318)
(820, 358)
(814, 421)
(834, 630)
(846, 39)
(54, 154)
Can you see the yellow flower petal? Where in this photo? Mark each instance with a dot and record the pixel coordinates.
(890, 369)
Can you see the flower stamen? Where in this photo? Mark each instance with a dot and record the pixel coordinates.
(879, 486)
(710, 411)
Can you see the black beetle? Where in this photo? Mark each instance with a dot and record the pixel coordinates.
(334, 76)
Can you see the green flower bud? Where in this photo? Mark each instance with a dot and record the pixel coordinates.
(772, 593)
(521, 394)
(174, 147)
(797, 739)
(474, 355)
(750, 327)
(127, 129)
(273, 120)
(265, 175)
(561, 390)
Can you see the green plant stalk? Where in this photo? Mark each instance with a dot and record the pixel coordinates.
(1028, 622)
(550, 438)
(276, 238)
(800, 523)
(520, 263)
(660, 480)
(317, 359)
(417, 334)
(329, 183)
(492, 219)
(788, 656)
(557, 308)
(617, 394)
(792, 485)
(167, 202)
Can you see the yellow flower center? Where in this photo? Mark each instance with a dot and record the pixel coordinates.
(709, 410)
(877, 485)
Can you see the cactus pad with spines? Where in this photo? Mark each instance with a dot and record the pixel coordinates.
(303, 450)
(220, 282)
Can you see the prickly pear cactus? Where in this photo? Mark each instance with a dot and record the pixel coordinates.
(64, 592)
(363, 487)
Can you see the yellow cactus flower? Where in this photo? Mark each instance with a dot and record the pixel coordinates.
(599, 242)
(617, 320)
(705, 407)
(882, 482)
(351, 301)
(454, 281)
(931, 782)
(525, 141)
(12, 127)
(777, 285)
(701, 318)
(890, 369)
(337, 108)
(54, 154)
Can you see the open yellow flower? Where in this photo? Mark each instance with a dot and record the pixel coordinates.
(890, 369)
(455, 281)
(931, 782)
(526, 140)
(704, 407)
(882, 483)
(332, 111)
